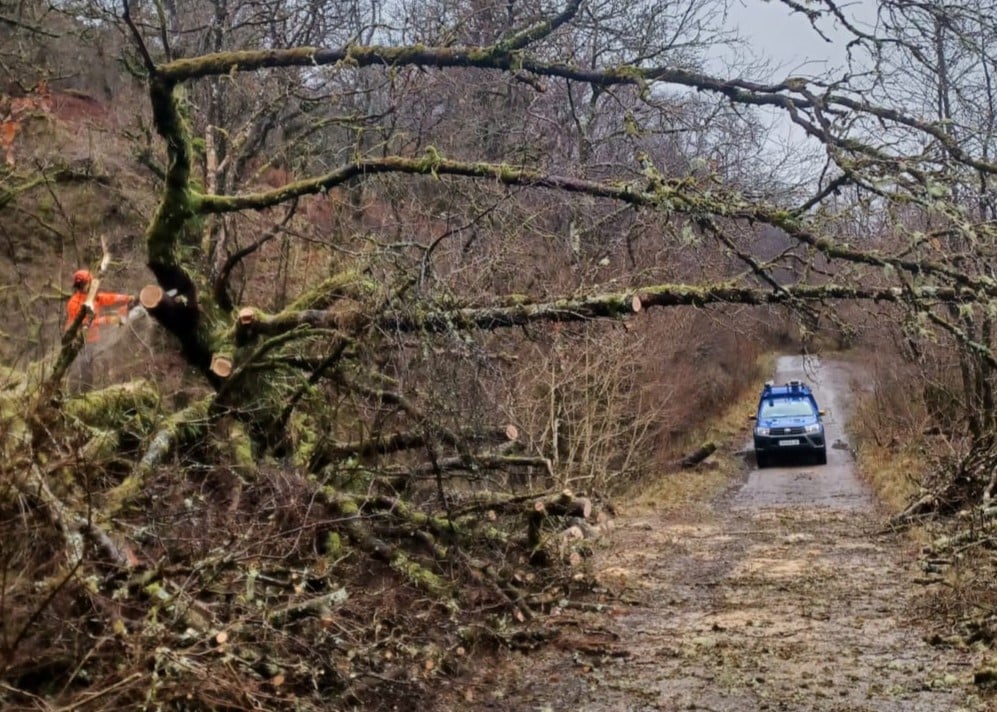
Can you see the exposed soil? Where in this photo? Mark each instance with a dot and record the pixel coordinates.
(780, 595)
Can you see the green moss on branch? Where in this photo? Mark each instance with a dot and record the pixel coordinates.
(183, 427)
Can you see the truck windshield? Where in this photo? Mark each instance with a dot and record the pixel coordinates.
(784, 408)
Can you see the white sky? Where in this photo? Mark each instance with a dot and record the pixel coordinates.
(790, 47)
(785, 38)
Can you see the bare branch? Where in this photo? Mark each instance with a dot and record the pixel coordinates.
(137, 36)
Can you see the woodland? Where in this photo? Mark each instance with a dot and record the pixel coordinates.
(424, 285)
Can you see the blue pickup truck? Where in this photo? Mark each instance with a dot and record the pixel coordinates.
(788, 421)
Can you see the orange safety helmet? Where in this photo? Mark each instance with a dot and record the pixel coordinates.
(81, 278)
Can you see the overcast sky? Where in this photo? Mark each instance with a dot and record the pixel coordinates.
(787, 39)
(791, 47)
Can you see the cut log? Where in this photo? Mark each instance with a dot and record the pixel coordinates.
(563, 507)
(151, 296)
(572, 533)
(488, 461)
(247, 315)
(490, 501)
(636, 304)
(565, 546)
(221, 365)
(590, 531)
(698, 455)
(511, 431)
(565, 504)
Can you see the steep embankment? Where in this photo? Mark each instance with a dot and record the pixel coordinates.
(69, 174)
(782, 594)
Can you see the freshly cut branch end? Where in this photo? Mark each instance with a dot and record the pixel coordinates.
(221, 365)
(150, 296)
(247, 315)
(563, 505)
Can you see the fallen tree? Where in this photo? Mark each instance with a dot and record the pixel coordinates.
(210, 540)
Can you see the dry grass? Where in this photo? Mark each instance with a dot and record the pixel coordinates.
(676, 489)
(681, 490)
(896, 453)
(887, 427)
(894, 474)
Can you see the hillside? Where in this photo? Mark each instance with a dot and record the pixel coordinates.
(71, 176)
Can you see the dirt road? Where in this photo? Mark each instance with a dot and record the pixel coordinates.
(780, 595)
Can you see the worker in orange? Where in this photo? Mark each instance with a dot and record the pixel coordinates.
(109, 307)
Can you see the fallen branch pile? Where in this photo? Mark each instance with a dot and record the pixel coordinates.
(959, 484)
(957, 511)
(136, 576)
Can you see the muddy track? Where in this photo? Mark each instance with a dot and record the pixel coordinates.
(781, 595)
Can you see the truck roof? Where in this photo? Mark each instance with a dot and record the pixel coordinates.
(790, 389)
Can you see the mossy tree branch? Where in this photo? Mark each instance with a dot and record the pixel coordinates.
(181, 203)
(520, 310)
(677, 196)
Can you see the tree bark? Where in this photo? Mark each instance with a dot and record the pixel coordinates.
(698, 455)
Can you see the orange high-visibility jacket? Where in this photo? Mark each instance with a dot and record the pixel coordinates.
(102, 302)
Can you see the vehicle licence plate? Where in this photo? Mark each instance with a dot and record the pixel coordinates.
(789, 442)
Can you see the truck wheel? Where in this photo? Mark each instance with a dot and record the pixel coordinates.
(762, 459)
(822, 456)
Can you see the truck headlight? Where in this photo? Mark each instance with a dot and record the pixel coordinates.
(761, 431)
(813, 428)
